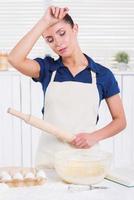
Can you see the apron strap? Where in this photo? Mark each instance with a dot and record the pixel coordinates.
(53, 76)
(93, 75)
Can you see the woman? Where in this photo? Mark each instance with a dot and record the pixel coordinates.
(73, 85)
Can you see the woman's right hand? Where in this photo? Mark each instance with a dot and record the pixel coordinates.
(54, 14)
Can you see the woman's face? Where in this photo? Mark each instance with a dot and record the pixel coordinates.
(61, 38)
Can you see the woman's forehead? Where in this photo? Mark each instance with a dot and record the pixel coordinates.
(55, 28)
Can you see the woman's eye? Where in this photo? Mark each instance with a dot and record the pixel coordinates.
(49, 40)
(62, 33)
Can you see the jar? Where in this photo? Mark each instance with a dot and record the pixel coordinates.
(3, 61)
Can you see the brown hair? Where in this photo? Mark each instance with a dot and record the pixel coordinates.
(68, 19)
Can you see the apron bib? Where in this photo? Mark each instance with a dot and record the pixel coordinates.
(70, 106)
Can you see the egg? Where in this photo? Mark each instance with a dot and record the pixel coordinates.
(41, 174)
(18, 176)
(29, 175)
(3, 173)
(5, 176)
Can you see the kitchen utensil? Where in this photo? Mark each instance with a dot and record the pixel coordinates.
(122, 175)
(82, 167)
(79, 188)
(43, 125)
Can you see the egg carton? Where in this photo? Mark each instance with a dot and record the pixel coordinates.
(22, 176)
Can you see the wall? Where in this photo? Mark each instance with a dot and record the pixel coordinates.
(105, 26)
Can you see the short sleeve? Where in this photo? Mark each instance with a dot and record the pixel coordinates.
(110, 85)
(44, 68)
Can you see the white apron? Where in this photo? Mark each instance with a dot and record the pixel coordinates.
(70, 106)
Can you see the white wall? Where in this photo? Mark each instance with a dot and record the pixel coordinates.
(105, 26)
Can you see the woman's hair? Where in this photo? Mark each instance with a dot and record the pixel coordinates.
(68, 19)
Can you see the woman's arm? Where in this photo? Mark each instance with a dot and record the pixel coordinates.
(118, 118)
(18, 56)
(118, 123)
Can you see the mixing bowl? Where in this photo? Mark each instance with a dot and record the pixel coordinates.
(82, 166)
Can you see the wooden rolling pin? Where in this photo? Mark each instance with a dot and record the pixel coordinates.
(43, 125)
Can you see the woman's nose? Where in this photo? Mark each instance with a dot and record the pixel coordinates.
(58, 42)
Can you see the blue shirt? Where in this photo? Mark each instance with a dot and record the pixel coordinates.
(105, 80)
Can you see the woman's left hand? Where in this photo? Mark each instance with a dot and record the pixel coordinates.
(84, 140)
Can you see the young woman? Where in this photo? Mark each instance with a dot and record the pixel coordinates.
(73, 85)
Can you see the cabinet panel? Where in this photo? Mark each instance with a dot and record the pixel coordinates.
(128, 134)
(36, 107)
(10, 132)
(26, 128)
(117, 139)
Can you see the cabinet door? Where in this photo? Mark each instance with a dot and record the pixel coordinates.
(18, 140)
(10, 128)
(37, 101)
(127, 136)
(123, 142)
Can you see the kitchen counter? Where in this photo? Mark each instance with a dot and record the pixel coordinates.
(55, 189)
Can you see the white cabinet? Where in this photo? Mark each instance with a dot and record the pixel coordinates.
(10, 129)
(18, 140)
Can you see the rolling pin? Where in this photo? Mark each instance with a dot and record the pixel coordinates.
(42, 125)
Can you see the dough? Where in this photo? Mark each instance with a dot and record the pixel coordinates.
(79, 169)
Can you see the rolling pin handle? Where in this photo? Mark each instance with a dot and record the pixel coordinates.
(21, 115)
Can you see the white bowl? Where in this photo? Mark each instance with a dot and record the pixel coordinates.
(82, 166)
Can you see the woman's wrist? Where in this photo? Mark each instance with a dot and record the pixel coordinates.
(94, 137)
(43, 24)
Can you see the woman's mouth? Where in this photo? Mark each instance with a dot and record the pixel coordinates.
(62, 50)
